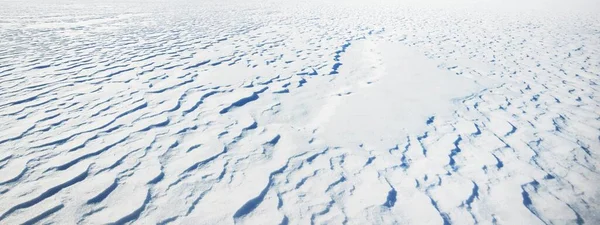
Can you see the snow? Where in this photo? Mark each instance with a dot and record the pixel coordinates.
(298, 112)
(394, 99)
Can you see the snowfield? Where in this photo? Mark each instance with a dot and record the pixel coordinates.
(300, 112)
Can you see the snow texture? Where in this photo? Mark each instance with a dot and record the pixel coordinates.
(299, 112)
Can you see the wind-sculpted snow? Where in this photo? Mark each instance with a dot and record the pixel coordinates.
(310, 112)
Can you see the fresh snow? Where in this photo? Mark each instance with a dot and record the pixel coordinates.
(299, 112)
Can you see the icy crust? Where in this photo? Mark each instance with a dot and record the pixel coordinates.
(312, 112)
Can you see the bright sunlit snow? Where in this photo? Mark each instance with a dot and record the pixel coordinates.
(300, 112)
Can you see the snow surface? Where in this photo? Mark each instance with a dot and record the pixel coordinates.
(299, 112)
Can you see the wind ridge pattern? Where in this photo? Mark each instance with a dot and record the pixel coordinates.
(213, 112)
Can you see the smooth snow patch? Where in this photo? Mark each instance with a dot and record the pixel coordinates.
(406, 93)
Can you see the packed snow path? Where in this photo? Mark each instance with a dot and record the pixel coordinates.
(299, 112)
